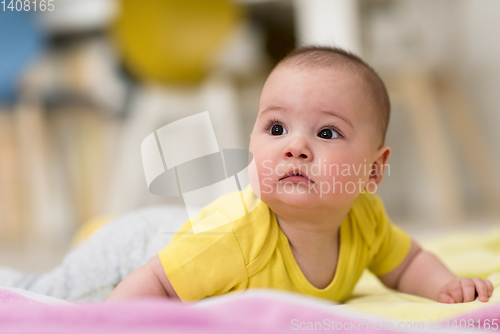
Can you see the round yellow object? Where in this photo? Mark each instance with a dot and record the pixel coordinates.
(171, 41)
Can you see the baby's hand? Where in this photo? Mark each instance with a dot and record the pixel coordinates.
(463, 290)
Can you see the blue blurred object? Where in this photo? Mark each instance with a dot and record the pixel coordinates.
(20, 42)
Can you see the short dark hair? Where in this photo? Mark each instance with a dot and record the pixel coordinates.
(337, 57)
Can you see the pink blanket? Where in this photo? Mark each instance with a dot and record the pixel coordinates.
(255, 311)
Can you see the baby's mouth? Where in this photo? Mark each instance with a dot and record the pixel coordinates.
(295, 176)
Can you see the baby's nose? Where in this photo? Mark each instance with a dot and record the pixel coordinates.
(297, 149)
(301, 155)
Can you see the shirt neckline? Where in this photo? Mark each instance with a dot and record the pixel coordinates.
(298, 278)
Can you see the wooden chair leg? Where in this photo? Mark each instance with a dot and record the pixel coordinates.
(424, 111)
(472, 141)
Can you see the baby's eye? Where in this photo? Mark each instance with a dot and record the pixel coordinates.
(278, 130)
(329, 133)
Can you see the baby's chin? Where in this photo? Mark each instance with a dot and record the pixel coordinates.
(299, 196)
(302, 199)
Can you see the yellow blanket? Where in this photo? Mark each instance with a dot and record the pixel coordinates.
(465, 253)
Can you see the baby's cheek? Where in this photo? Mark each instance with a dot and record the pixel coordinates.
(347, 179)
(253, 176)
(345, 184)
(262, 175)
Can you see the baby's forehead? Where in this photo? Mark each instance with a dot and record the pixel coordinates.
(312, 78)
(336, 63)
(319, 86)
(322, 88)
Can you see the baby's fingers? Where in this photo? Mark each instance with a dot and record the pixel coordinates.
(482, 289)
(490, 287)
(455, 291)
(445, 298)
(469, 290)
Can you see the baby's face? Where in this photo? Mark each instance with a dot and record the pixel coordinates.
(319, 122)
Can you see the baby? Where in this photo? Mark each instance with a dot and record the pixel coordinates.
(314, 231)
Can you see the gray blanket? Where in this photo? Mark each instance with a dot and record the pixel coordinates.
(90, 271)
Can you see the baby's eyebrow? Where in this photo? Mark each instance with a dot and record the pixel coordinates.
(324, 111)
(273, 108)
(337, 115)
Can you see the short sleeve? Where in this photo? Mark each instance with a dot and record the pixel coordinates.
(391, 244)
(204, 264)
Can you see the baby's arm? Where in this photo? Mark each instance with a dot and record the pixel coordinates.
(147, 281)
(423, 274)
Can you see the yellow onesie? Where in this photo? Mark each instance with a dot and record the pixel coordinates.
(253, 252)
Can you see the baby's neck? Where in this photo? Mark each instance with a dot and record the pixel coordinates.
(311, 237)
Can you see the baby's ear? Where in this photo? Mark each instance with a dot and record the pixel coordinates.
(380, 164)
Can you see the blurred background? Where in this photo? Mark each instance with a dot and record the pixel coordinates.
(82, 83)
